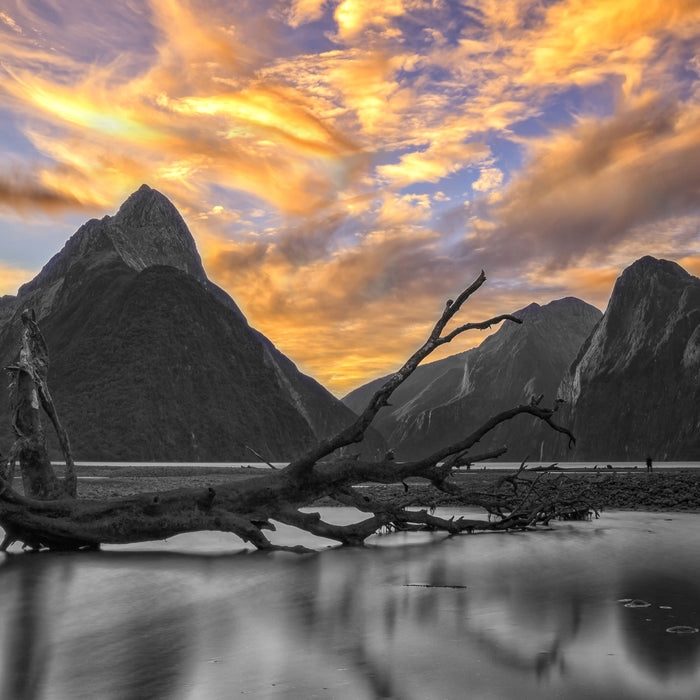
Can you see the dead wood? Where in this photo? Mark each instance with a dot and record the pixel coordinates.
(29, 393)
(49, 515)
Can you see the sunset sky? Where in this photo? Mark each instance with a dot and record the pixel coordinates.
(346, 166)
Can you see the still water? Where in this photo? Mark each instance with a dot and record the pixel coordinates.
(580, 611)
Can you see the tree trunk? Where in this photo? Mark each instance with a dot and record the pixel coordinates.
(49, 515)
(29, 392)
(38, 478)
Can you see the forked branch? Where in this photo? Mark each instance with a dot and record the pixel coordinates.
(356, 431)
(249, 506)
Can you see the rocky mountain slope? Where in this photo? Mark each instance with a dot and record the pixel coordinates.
(444, 400)
(634, 389)
(151, 360)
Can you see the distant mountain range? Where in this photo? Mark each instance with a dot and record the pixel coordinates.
(152, 361)
(629, 379)
(446, 399)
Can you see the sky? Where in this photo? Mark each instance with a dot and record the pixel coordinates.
(346, 166)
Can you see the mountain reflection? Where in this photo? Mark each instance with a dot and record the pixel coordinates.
(128, 643)
(531, 616)
(26, 636)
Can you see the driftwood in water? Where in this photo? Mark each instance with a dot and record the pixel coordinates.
(248, 507)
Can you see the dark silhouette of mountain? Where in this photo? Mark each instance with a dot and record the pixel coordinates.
(152, 361)
(445, 400)
(634, 389)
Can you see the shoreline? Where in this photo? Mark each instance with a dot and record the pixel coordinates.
(617, 489)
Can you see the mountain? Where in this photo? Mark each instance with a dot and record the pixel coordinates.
(152, 361)
(634, 389)
(444, 400)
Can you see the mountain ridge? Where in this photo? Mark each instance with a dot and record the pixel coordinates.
(151, 360)
(444, 400)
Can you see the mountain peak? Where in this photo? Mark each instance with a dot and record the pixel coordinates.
(645, 282)
(442, 399)
(640, 365)
(146, 206)
(567, 303)
(557, 307)
(146, 231)
(650, 266)
(528, 310)
(196, 384)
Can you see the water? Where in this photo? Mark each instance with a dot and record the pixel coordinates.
(490, 616)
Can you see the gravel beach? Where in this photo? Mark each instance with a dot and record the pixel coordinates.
(667, 490)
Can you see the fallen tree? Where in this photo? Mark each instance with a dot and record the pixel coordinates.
(50, 515)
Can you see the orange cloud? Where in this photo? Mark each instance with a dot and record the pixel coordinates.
(489, 179)
(579, 40)
(356, 17)
(84, 108)
(593, 283)
(691, 263)
(358, 313)
(12, 278)
(303, 11)
(588, 190)
(572, 42)
(342, 150)
(431, 165)
(25, 194)
(197, 110)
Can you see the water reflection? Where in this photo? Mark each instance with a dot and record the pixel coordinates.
(673, 601)
(25, 623)
(72, 630)
(530, 616)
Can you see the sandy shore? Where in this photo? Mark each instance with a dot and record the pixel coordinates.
(668, 490)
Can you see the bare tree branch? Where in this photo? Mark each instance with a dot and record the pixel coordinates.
(44, 518)
(355, 432)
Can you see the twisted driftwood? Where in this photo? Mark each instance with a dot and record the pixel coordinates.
(29, 392)
(50, 516)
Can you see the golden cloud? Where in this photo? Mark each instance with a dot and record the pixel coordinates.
(12, 278)
(25, 194)
(303, 11)
(581, 39)
(363, 310)
(196, 110)
(587, 190)
(489, 179)
(402, 210)
(691, 263)
(221, 108)
(355, 17)
(434, 163)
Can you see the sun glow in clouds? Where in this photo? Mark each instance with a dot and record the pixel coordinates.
(346, 166)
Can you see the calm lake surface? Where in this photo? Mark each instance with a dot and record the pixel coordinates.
(580, 611)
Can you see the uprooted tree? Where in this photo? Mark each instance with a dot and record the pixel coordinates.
(50, 515)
